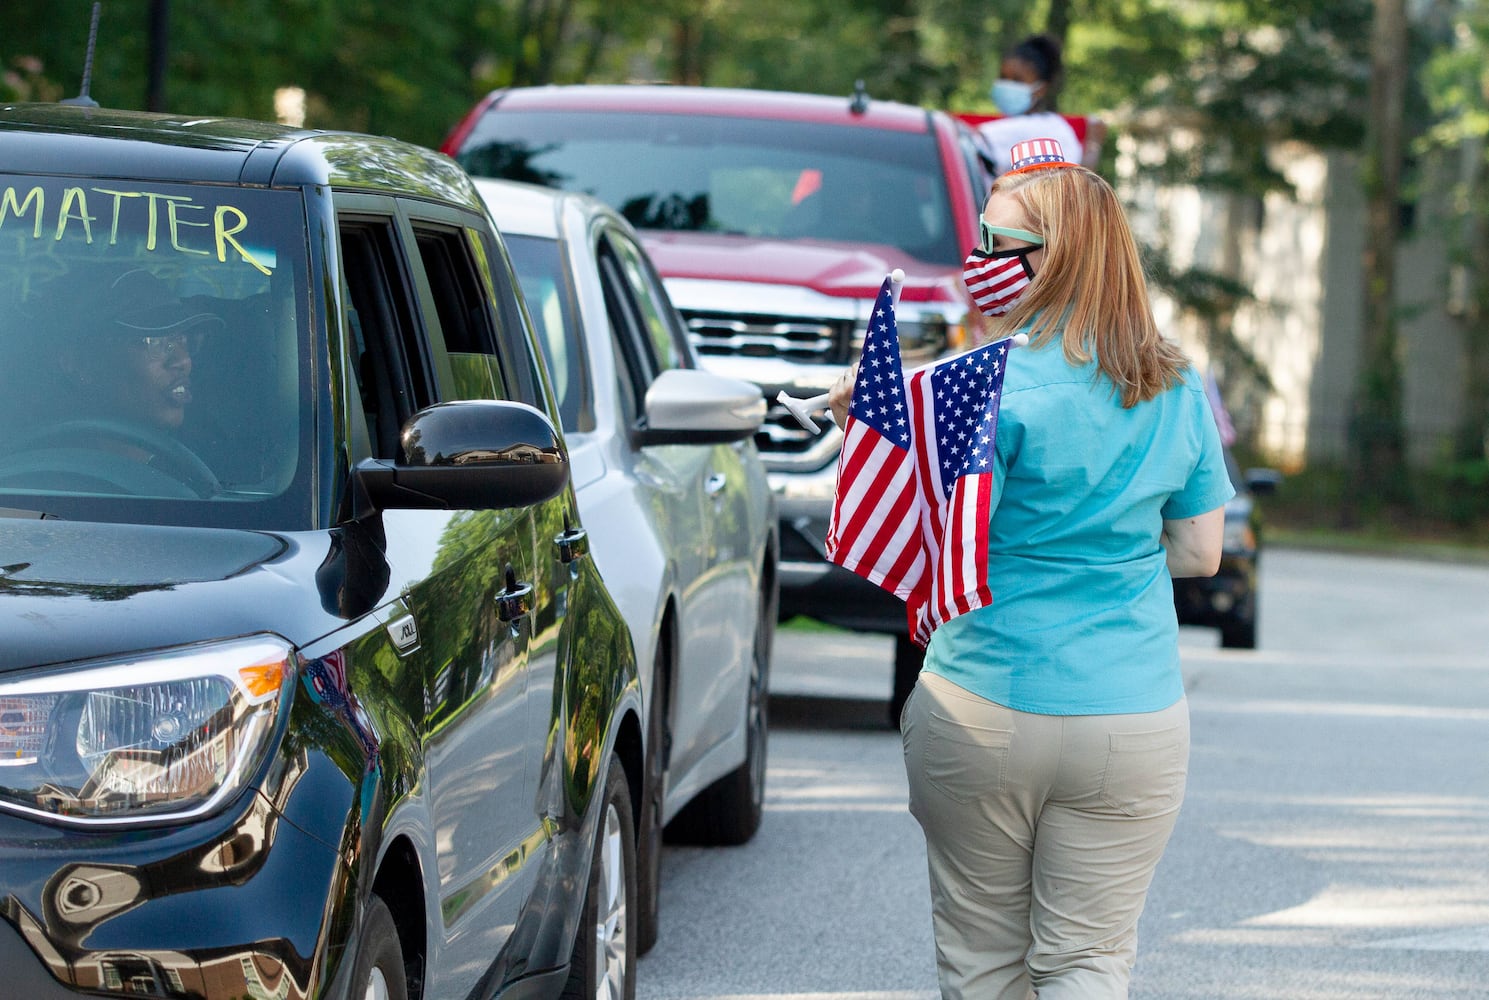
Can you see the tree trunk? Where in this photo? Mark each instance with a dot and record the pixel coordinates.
(1377, 439)
(1058, 22)
(1472, 297)
(160, 54)
(687, 35)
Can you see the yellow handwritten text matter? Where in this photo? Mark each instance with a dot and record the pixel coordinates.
(180, 217)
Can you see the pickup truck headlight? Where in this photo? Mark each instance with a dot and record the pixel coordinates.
(146, 738)
(927, 332)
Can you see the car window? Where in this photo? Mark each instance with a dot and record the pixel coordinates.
(973, 153)
(388, 356)
(635, 359)
(755, 177)
(153, 340)
(527, 375)
(659, 318)
(550, 302)
(464, 312)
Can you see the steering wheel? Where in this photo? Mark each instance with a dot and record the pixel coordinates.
(166, 454)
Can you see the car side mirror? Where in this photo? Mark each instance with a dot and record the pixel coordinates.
(692, 406)
(1263, 482)
(471, 455)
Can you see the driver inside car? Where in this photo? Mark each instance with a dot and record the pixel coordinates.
(137, 356)
(121, 385)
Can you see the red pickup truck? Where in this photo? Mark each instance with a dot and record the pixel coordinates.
(772, 218)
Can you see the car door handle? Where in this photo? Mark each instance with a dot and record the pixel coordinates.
(714, 484)
(573, 544)
(516, 601)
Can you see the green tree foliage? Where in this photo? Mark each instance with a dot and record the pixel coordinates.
(1245, 76)
(1212, 89)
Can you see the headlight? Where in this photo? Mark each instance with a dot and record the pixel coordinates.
(145, 738)
(927, 333)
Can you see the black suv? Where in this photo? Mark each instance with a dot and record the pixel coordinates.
(307, 687)
(1228, 600)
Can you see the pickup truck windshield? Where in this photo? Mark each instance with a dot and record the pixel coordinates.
(152, 339)
(748, 177)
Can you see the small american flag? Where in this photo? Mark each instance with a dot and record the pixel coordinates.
(914, 490)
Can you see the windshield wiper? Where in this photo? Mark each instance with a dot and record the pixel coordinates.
(39, 515)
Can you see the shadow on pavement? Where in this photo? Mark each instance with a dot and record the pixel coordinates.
(793, 711)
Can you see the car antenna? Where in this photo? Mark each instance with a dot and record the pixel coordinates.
(860, 103)
(83, 100)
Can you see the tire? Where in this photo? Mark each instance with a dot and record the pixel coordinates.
(908, 659)
(379, 973)
(603, 965)
(1240, 631)
(649, 839)
(727, 813)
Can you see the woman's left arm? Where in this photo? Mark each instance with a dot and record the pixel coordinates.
(1193, 544)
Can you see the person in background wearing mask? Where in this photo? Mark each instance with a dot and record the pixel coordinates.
(1024, 92)
(1046, 741)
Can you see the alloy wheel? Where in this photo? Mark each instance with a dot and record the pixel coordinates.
(610, 925)
(377, 986)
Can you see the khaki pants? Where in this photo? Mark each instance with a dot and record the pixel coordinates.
(1042, 834)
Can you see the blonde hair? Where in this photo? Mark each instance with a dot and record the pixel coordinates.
(1090, 285)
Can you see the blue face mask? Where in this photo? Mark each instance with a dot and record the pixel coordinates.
(1012, 97)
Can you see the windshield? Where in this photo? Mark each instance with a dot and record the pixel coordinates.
(763, 178)
(151, 339)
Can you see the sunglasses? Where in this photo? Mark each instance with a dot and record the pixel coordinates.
(170, 347)
(987, 232)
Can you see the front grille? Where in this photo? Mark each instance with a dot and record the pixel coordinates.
(763, 336)
(803, 541)
(786, 446)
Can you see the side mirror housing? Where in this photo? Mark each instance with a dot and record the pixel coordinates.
(472, 455)
(692, 406)
(1263, 482)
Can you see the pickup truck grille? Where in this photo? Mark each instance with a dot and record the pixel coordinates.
(786, 446)
(764, 336)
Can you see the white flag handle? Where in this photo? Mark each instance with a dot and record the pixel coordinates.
(802, 409)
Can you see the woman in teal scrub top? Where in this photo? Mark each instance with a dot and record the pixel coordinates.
(1047, 739)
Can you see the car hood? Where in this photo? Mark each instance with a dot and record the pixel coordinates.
(73, 590)
(853, 270)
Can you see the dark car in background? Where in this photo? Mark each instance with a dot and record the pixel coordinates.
(1228, 600)
(308, 685)
(773, 219)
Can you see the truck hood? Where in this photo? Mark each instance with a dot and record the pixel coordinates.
(74, 590)
(850, 270)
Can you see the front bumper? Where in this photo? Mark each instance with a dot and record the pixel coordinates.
(228, 907)
(812, 586)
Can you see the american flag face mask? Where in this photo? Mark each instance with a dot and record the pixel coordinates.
(997, 280)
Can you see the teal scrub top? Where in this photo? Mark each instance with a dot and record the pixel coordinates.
(1082, 620)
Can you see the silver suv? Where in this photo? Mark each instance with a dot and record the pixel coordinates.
(773, 218)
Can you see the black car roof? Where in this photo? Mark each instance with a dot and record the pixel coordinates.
(72, 140)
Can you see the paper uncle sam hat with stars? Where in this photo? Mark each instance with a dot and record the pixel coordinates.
(1036, 154)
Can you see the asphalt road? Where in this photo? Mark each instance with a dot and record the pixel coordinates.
(1334, 844)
